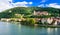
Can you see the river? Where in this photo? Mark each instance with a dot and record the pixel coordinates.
(15, 28)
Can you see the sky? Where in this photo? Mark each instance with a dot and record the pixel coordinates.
(7, 4)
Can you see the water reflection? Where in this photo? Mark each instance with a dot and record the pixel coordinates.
(52, 31)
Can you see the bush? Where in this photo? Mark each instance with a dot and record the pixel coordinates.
(30, 21)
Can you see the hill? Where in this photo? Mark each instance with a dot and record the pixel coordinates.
(11, 13)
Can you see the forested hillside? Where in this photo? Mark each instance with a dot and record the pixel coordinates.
(10, 13)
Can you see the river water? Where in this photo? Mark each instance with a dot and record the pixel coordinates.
(15, 28)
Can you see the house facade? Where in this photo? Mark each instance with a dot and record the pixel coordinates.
(36, 12)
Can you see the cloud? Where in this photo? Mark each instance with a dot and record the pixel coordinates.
(41, 5)
(43, 1)
(54, 5)
(21, 4)
(6, 4)
(30, 3)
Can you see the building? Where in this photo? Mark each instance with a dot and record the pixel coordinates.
(49, 20)
(36, 12)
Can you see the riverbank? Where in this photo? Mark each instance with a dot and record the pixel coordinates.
(32, 22)
(45, 26)
(35, 25)
(50, 26)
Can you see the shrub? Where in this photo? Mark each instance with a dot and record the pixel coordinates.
(30, 21)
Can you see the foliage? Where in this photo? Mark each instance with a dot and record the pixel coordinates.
(27, 11)
(30, 21)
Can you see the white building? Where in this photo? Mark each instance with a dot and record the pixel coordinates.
(55, 23)
(49, 20)
(43, 20)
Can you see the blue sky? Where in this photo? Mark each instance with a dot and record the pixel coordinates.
(7, 4)
(38, 2)
(35, 2)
